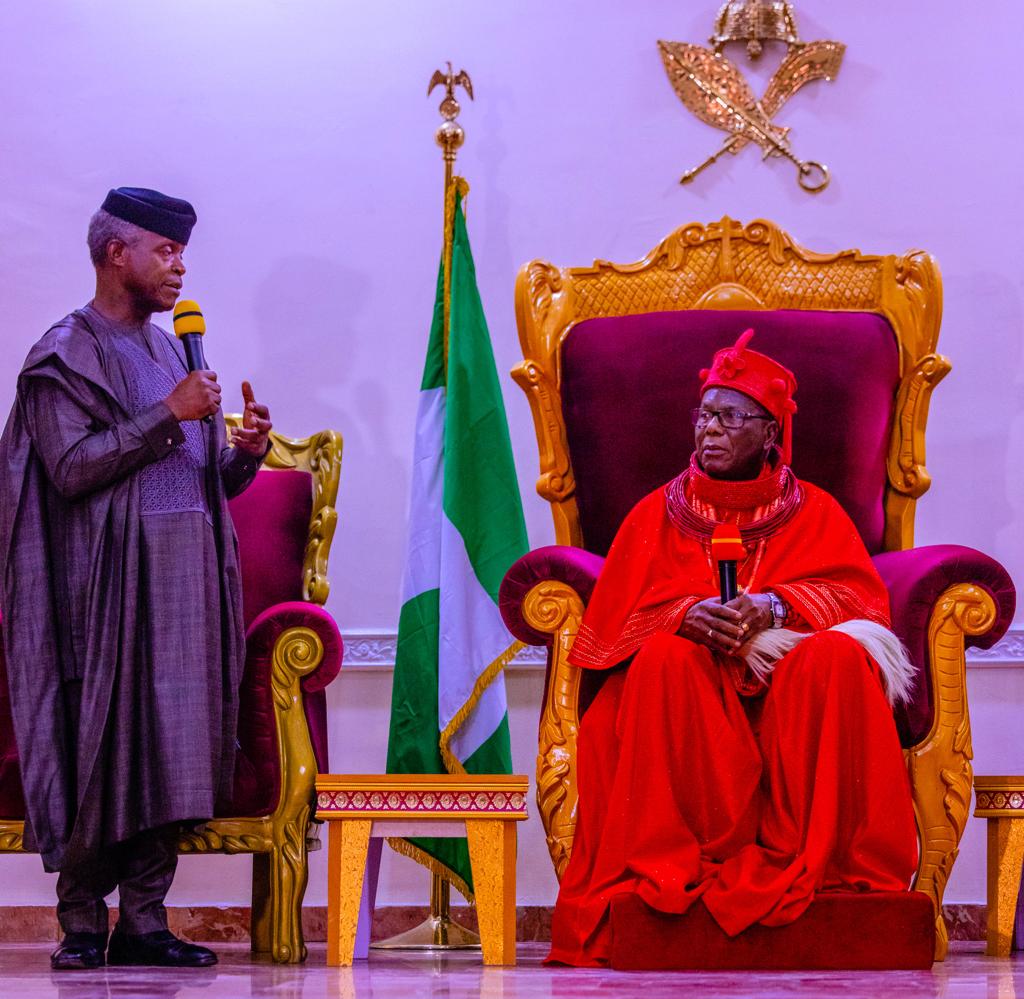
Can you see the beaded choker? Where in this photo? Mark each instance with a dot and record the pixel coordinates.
(778, 485)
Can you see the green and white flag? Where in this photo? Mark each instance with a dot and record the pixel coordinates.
(448, 707)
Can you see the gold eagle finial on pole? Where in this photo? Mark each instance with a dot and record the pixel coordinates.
(450, 134)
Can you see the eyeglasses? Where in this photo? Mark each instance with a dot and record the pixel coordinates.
(729, 419)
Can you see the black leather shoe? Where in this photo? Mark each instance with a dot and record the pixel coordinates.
(79, 950)
(161, 948)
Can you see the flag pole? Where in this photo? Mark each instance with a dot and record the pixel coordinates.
(450, 136)
(438, 931)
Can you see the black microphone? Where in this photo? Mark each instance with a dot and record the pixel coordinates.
(190, 328)
(727, 549)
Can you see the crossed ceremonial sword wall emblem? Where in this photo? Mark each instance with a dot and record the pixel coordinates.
(716, 91)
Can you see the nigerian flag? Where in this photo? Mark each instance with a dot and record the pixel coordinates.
(448, 708)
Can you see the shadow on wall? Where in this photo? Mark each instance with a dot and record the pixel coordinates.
(492, 155)
(308, 316)
(978, 411)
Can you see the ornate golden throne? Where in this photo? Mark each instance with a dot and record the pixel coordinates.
(285, 523)
(610, 360)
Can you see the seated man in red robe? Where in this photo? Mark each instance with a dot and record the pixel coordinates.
(741, 756)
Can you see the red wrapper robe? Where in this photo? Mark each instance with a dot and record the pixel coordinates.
(697, 782)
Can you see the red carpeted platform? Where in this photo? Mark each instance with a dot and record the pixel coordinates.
(840, 931)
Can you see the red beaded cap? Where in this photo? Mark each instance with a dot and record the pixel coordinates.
(758, 376)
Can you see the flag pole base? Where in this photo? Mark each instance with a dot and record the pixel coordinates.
(436, 933)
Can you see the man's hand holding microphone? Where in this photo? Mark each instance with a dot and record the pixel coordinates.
(198, 396)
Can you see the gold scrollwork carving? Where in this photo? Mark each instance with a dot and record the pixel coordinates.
(906, 463)
(326, 468)
(544, 282)
(556, 609)
(297, 652)
(940, 765)
(12, 836)
(908, 477)
(224, 836)
(917, 277)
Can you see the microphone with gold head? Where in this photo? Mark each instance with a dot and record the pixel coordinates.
(190, 328)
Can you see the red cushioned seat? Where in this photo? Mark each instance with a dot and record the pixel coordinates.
(12, 800)
(271, 521)
(840, 931)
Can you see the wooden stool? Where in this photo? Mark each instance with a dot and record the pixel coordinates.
(362, 810)
(1001, 801)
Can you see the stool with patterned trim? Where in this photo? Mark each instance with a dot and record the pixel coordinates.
(362, 810)
(1001, 801)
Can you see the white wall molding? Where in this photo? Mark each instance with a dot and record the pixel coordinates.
(376, 650)
(1008, 651)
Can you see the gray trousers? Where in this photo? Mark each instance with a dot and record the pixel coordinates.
(142, 868)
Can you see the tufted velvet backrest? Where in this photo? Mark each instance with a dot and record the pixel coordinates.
(629, 383)
(271, 520)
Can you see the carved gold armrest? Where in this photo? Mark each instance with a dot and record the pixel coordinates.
(940, 765)
(297, 652)
(556, 609)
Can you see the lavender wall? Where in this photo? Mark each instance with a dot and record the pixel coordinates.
(301, 133)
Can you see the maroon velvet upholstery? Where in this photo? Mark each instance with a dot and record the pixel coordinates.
(257, 767)
(272, 523)
(915, 580)
(629, 383)
(12, 800)
(271, 520)
(839, 931)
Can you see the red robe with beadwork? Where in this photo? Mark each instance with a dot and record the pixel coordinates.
(698, 782)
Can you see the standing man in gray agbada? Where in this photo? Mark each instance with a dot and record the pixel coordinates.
(122, 619)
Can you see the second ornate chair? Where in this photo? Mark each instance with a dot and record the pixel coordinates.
(611, 354)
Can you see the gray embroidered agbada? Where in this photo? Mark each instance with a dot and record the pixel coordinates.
(122, 617)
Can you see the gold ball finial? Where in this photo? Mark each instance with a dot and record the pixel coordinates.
(450, 108)
(450, 137)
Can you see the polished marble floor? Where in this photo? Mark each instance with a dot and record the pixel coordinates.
(25, 972)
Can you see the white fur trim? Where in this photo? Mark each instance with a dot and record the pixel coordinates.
(765, 649)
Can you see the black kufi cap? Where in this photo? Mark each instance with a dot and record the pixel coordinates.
(151, 210)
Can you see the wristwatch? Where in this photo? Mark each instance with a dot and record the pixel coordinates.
(778, 609)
